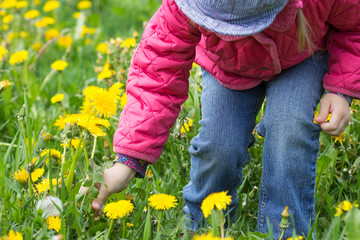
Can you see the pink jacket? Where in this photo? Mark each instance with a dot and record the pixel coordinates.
(158, 78)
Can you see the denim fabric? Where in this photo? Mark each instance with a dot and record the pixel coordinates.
(290, 151)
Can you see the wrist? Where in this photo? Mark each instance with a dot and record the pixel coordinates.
(124, 170)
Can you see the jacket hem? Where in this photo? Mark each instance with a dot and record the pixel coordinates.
(342, 90)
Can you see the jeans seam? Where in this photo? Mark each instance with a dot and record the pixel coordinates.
(262, 206)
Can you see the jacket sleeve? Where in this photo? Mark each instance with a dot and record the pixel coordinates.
(344, 48)
(157, 83)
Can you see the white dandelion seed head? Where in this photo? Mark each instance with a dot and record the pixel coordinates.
(50, 206)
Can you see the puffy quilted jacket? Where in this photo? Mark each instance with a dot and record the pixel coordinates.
(158, 78)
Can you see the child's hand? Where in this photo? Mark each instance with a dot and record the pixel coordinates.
(116, 179)
(340, 114)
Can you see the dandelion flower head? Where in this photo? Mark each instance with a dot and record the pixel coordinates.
(21, 176)
(219, 200)
(345, 206)
(18, 57)
(118, 209)
(210, 236)
(162, 201)
(65, 41)
(31, 14)
(59, 65)
(84, 4)
(51, 33)
(57, 98)
(128, 43)
(54, 223)
(295, 238)
(102, 48)
(3, 52)
(36, 174)
(14, 236)
(21, 4)
(51, 5)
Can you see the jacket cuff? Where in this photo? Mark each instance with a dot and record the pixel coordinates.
(138, 165)
(346, 97)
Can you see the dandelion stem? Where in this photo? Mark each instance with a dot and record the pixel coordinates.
(282, 234)
(94, 147)
(158, 226)
(221, 224)
(69, 179)
(124, 227)
(110, 228)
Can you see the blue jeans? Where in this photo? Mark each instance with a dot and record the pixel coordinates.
(291, 145)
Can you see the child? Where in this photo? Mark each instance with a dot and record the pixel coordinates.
(288, 51)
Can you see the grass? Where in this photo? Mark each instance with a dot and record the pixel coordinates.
(26, 113)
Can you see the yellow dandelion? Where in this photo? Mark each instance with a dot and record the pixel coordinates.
(52, 153)
(104, 104)
(60, 122)
(162, 201)
(12, 35)
(51, 5)
(91, 123)
(128, 43)
(5, 27)
(21, 4)
(295, 238)
(36, 174)
(2, 12)
(340, 138)
(3, 52)
(115, 90)
(14, 236)
(210, 236)
(219, 200)
(123, 100)
(57, 98)
(87, 30)
(345, 206)
(102, 48)
(107, 73)
(88, 41)
(51, 33)
(31, 14)
(23, 34)
(18, 57)
(8, 4)
(65, 41)
(21, 176)
(76, 15)
(54, 223)
(36, 46)
(82, 5)
(4, 84)
(59, 65)
(118, 209)
(44, 185)
(8, 18)
(317, 113)
(130, 225)
(44, 22)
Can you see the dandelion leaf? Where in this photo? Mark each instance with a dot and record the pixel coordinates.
(254, 236)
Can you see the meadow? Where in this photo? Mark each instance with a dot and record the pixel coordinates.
(63, 70)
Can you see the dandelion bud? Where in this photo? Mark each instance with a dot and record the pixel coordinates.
(284, 224)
